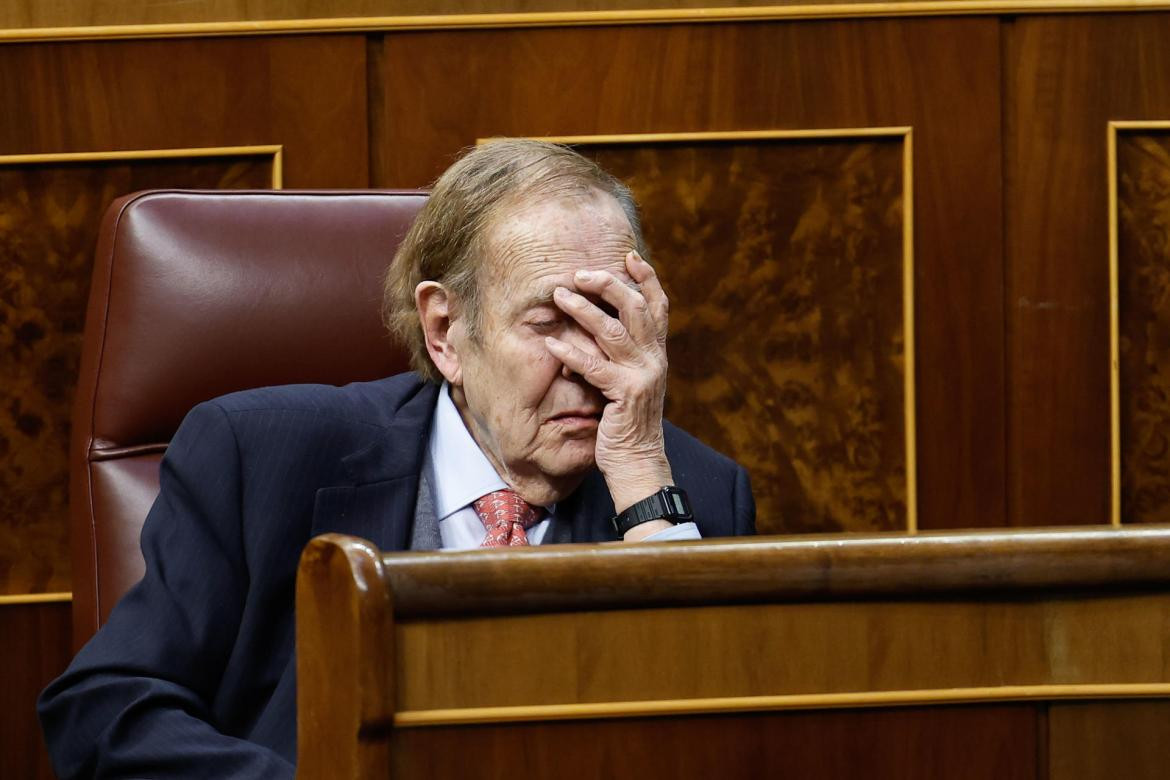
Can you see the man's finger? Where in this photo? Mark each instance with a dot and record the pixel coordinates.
(632, 308)
(609, 333)
(595, 370)
(656, 300)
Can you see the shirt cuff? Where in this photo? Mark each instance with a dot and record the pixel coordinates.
(676, 533)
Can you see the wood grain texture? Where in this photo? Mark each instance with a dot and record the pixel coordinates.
(1143, 205)
(34, 649)
(306, 93)
(950, 742)
(1065, 78)
(816, 648)
(770, 76)
(1010, 609)
(755, 570)
(345, 661)
(30, 14)
(1109, 739)
(49, 216)
(1091, 641)
(783, 262)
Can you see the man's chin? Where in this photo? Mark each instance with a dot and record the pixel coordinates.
(574, 459)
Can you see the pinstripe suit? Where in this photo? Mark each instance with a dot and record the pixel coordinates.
(194, 674)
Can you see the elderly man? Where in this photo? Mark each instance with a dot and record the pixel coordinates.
(534, 415)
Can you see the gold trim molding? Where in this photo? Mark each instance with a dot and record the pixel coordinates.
(369, 24)
(812, 701)
(1112, 129)
(275, 150)
(906, 135)
(36, 598)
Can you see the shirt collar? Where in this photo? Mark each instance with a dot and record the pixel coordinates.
(460, 472)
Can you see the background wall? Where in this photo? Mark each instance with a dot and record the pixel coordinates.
(991, 187)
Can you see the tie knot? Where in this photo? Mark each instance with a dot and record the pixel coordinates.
(506, 517)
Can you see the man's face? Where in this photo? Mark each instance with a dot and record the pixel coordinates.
(535, 421)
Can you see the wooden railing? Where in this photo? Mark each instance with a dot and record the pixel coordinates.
(398, 654)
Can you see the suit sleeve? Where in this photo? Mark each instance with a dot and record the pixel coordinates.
(743, 504)
(138, 699)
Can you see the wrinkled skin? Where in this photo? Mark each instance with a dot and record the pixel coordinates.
(569, 369)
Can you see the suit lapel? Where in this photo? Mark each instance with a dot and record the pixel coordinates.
(424, 533)
(379, 482)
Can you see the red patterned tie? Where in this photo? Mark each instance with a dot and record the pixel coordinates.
(506, 517)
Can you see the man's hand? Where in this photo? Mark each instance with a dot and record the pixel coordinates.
(631, 375)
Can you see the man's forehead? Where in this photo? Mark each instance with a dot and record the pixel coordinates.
(558, 237)
(561, 216)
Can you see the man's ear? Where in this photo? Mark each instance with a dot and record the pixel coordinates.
(434, 306)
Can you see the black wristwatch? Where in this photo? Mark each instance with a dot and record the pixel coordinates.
(670, 503)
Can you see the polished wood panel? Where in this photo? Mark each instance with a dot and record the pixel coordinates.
(1065, 79)
(28, 15)
(94, 19)
(305, 93)
(769, 76)
(972, 611)
(804, 385)
(1143, 211)
(968, 648)
(951, 742)
(1105, 740)
(51, 214)
(1064, 644)
(538, 579)
(34, 648)
(344, 621)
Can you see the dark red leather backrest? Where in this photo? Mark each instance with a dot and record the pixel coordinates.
(197, 294)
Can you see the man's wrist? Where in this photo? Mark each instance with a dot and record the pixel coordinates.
(635, 483)
(626, 496)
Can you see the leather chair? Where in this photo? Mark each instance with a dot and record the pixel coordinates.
(197, 294)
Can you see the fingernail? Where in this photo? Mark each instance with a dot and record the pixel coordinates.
(561, 292)
(584, 276)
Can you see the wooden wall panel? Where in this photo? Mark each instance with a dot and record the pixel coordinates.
(803, 239)
(306, 93)
(1143, 214)
(768, 76)
(942, 742)
(1105, 740)
(32, 14)
(1065, 79)
(34, 648)
(957, 648)
(51, 213)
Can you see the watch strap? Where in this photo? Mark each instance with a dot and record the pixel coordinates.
(669, 503)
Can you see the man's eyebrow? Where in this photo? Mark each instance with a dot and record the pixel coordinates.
(542, 297)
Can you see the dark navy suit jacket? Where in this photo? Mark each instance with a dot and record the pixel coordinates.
(194, 673)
